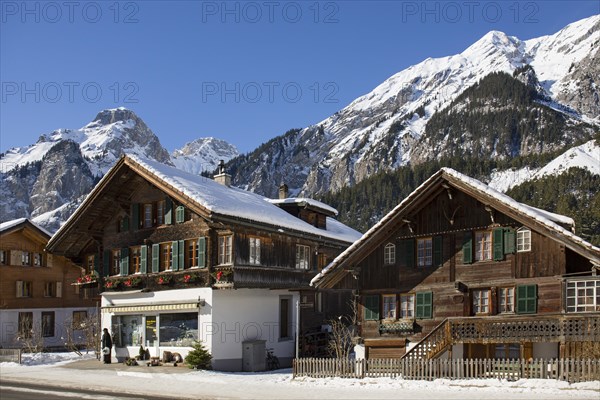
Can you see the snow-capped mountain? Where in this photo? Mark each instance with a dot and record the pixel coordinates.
(47, 180)
(203, 155)
(386, 128)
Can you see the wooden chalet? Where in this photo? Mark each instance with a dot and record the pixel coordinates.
(184, 257)
(461, 270)
(37, 299)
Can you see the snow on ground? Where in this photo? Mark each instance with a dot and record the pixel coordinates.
(63, 369)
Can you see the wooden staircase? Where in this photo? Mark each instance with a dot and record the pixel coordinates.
(432, 345)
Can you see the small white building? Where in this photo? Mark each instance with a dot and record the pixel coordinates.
(186, 258)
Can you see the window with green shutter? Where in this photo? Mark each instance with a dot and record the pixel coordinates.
(168, 211)
(509, 241)
(526, 299)
(155, 257)
(467, 248)
(135, 216)
(202, 252)
(438, 259)
(180, 254)
(498, 244)
(106, 263)
(125, 261)
(424, 305)
(180, 214)
(407, 252)
(371, 308)
(175, 256)
(144, 260)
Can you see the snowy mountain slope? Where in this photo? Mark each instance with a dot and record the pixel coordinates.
(203, 155)
(380, 130)
(47, 180)
(101, 142)
(586, 156)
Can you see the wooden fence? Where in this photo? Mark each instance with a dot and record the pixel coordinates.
(10, 355)
(565, 369)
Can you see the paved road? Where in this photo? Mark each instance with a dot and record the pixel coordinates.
(26, 391)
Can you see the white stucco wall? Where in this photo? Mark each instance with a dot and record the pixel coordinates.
(227, 319)
(249, 314)
(9, 325)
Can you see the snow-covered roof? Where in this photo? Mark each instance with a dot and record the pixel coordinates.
(221, 200)
(549, 220)
(302, 201)
(4, 226)
(231, 201)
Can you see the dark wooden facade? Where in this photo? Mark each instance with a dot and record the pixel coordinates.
(114, 234)
(512, 286)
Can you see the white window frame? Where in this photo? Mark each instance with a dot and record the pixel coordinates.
(390, 308)
(407, 306)
(25, 258)
(425, 252)
(483, 246)
(523, 240)
(389, 254)
(583, 295)
(225, 249)
(481, 301)
(24, 289)
(302, 256)
(506, 299)
(254, 244)
(148, 217)
(50, 289)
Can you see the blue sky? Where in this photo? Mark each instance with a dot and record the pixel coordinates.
(244, 72)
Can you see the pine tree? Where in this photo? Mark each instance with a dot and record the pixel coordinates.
(199, 358)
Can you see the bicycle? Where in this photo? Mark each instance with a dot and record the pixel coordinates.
(272, 360)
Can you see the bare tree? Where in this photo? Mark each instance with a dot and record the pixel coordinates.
(83, 334)
(343, 332)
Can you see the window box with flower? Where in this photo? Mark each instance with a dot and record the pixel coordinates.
(222, 278)
(163, 279)
(86, 279)
(132, 282)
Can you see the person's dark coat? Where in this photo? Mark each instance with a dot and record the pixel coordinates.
(106, 343)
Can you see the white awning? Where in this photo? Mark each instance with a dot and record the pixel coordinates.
(136, 308)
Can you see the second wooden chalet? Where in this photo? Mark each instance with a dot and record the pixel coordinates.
(186, 258)
(461, 270)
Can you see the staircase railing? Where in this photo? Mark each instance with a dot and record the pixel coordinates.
(433, 344)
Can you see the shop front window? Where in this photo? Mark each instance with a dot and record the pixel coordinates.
(178, 329)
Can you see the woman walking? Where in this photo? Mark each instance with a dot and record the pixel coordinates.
(106, 346)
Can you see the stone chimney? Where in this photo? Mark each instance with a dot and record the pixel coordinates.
(222, 177)
(283, 191)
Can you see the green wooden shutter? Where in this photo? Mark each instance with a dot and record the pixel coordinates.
(202, 252)
(498, 244)
(135, 216)
(144, 259)
(407, 252)
(124, 261)
(181, 255)
(180, 214)
(467, 248)
(526, 299)
(125, 224)
(438, 259)
(168, 211)
(424, 305)
(106, 263)
(155, 257)
(371, 307)
(510, 241)
(97, 264)
(175, 255)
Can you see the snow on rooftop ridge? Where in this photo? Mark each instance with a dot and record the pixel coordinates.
(11, 224)
(542, 216)
(302, 200)
(547, 218)
(235, 202)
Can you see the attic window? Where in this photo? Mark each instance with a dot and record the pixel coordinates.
(523, 240)
(389, 254)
